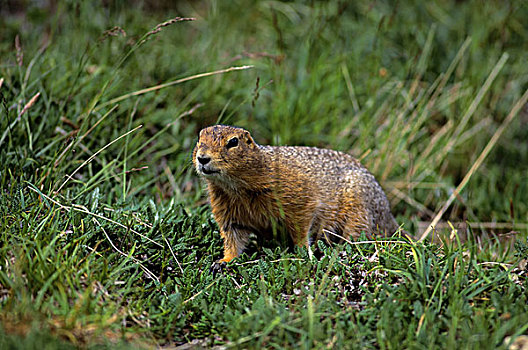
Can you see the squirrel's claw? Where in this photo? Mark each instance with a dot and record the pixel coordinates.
(217, 267)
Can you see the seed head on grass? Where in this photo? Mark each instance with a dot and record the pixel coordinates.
(114, 31)
(19, 52)
(160, 26)
(27, 106)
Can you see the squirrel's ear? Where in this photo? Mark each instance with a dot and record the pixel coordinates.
(249, 139)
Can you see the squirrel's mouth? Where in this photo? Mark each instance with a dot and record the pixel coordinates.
(207, 171)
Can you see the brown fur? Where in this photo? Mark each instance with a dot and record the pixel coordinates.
(311, 192)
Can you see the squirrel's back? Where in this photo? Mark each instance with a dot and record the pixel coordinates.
(314, 193)
(338, 176)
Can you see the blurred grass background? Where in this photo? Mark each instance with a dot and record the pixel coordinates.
(106, 235)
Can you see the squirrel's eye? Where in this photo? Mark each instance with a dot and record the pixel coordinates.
(232, 142)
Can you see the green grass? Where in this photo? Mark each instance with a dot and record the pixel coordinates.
(106, 236)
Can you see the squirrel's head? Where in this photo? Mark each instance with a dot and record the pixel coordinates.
(225, 153)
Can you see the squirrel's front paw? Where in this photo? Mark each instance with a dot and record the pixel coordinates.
(218, 267)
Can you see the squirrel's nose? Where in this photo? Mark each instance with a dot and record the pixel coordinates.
(203, 160)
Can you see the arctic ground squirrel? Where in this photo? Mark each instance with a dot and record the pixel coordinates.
(311, 193)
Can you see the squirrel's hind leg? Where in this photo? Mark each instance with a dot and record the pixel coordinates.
(356, 222)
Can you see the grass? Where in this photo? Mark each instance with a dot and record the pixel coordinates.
(106, 236)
